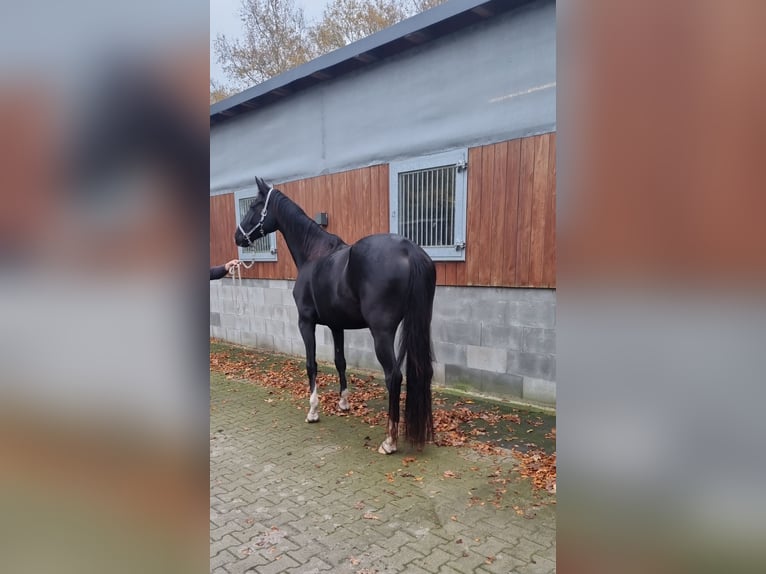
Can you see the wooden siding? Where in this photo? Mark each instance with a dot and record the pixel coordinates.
(511, 216)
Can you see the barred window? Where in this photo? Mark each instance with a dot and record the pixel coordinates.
(263, 248)
(428, 199)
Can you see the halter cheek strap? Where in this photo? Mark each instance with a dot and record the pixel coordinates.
(258, 225)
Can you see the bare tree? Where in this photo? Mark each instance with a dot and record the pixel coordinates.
(277, 37)
(275, 40)
(219, 91)
(418, 6)
(346, 21)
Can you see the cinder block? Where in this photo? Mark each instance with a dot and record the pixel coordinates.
(450, 354)
(487, 358)
(439, 369)
(361, 358)
(264, 341)
(325, 352)
(255, 295)
(277, 313)
(539, 340)
(257, 325)
(323, 335)
(229, 321)
(216, 301)
(287, 297)
(539, 391)
(457, 332)
(274, 328)
(272, 297)
(535, 314)
(501, 336)
(532, 365)
(291, 314)
(497, 384)
(234, 336)
(229, 306)
(282, 344)
(262, 311)
(215, 319)
(490, 312)
(292, 332)
(359, 339)
(298, 349)
(524, 294)
(449, 308)
(217, 332)
(250, 339)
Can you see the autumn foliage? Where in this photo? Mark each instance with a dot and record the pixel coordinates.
(457, 422)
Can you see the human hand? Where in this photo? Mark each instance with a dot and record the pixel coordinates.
(232, 264)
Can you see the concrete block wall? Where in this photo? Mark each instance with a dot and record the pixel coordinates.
(498, 341)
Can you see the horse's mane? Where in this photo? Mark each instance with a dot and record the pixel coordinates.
(315, 241)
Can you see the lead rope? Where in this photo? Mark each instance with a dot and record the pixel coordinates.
(239, 300)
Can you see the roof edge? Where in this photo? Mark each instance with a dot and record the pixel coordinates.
(402, 30)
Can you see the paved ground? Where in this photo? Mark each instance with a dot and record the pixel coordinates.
(286, 496)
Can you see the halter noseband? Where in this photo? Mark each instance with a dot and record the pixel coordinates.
(259, 224)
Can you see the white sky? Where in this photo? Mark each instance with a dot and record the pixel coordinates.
(224, 19)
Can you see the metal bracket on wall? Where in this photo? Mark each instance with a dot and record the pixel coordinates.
(461, 166)
(460, 246)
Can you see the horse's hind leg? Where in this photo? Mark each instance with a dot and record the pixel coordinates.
(307, 332)
(340, 364)
(384, 350)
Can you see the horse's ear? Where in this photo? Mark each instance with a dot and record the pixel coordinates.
(262, 187)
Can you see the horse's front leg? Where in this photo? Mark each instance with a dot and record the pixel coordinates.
(340, 364)
(307, 332)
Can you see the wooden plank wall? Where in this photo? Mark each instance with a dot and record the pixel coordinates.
(356, 201)
(511, 216)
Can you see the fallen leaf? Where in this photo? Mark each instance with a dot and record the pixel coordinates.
(450, 474)
(453, 518)
(370, 516)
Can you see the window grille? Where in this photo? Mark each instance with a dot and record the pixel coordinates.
(263, 248)
(428, 199)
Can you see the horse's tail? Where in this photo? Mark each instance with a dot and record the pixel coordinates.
(416, 343)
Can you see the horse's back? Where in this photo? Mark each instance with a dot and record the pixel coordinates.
(386, 245)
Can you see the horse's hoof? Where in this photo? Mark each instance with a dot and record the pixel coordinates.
(386, 447)
(312, 418)
(344, 406)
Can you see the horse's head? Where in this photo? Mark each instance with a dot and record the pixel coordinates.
(259, 219)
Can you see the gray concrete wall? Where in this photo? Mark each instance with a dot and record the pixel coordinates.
(498, 341)
(491, 82)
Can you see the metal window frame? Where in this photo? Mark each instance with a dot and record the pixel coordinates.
(453, 157)
(243, 255)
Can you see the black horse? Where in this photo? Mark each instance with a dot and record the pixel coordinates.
(376, 283)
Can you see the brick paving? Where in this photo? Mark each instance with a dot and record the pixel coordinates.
(286, 496)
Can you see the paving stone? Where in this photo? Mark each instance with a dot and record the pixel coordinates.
(308, 507)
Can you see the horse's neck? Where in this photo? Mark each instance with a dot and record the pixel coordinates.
(299, 230)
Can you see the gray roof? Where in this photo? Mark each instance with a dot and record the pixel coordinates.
(444, 19)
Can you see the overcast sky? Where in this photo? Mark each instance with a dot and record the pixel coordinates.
(224, 19)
